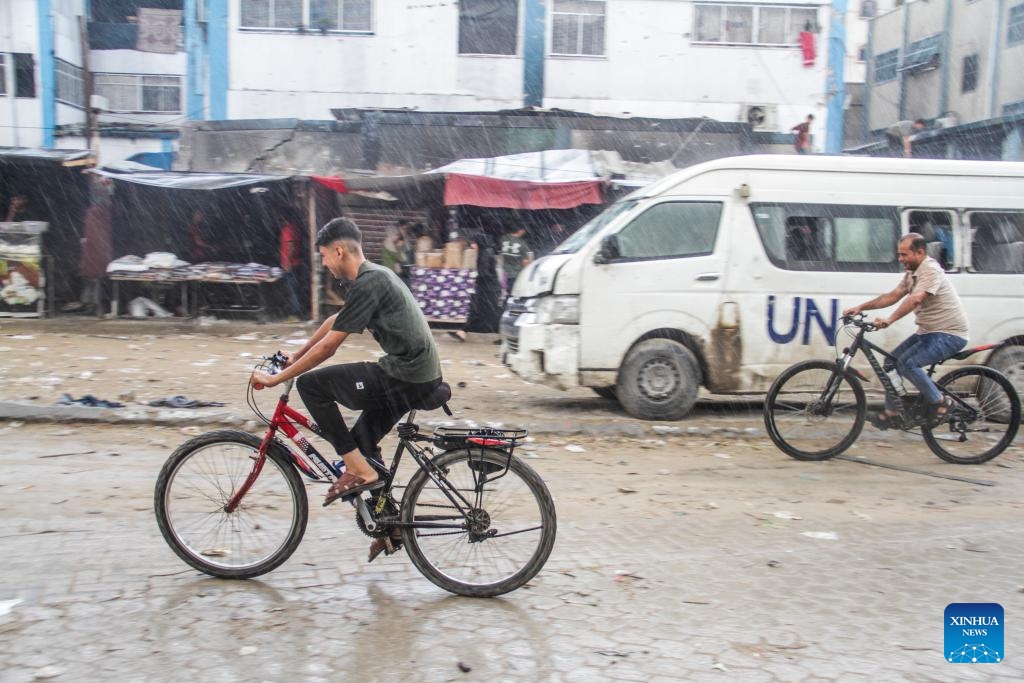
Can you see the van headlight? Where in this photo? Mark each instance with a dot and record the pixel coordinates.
(563, 310)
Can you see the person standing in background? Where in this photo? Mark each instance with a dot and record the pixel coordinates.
(97, 248)
(515, 255)
(17, 209)
(291, 263)
(199, 249)
(485, 304)
(802, 135)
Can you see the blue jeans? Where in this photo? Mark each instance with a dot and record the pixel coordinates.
(914, 354)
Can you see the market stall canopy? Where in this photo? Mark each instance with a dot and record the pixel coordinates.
(192, 181)
(550, 179)
(64, 157)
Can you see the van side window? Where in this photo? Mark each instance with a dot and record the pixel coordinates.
(829, 237)
(937, 229)
(997, 242)
(671, 230)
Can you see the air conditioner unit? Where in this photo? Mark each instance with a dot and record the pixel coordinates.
(761, 116)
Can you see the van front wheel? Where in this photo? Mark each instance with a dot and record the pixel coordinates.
(659, 380)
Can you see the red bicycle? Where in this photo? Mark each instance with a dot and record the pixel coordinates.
(475, 519)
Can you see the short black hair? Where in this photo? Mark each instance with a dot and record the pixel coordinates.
(917, 241)
(339, 229)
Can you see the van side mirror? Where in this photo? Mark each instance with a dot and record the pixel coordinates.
(609, 250)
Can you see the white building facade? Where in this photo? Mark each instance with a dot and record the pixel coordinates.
(244, 59)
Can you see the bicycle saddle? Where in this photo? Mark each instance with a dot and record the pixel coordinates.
(977, 349)
(437, 398)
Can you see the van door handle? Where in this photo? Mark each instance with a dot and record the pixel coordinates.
(708, 277)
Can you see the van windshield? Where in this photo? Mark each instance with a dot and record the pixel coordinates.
(584, 234)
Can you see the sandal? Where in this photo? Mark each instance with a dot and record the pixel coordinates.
(940, 412)
(456, 336)
(389, 545)
(349, 485)
(883, 420)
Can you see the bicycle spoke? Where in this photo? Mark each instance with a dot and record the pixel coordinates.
(196, 494)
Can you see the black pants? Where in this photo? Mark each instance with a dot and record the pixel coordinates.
(359, 386)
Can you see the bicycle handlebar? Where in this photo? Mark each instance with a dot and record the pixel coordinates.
(859, 320)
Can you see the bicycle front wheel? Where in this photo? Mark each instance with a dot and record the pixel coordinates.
(194, 487)
(495, 545)
(814, 412)
(984, 418)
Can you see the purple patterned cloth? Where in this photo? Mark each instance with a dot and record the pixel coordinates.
(442, 293)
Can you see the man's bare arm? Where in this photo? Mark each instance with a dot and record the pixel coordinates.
(880, 301)
(320, 333)
(321, 351)
(905, 308)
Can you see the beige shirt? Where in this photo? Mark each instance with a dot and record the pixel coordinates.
(941, 310)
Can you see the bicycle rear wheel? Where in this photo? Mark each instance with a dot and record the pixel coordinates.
(501, 542)
(812, 412)
(195, 485)
(983, 421)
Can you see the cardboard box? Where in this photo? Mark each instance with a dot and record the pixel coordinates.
(435, 259)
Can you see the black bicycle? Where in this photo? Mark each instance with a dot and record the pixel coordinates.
(476, 519)
(816, 409)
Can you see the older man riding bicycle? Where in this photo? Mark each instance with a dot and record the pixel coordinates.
(941, 327)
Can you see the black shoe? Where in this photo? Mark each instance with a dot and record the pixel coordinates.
(883, 421)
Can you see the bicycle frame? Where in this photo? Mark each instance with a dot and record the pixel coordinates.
(313, 464)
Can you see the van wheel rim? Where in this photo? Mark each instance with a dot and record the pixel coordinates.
(658, 379)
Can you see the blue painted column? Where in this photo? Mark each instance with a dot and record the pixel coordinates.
(217, 44)
(195, 57)
(534, 32)
(47, 73)
(835, 87)
(947, 50)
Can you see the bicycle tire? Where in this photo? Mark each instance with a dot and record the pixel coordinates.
(185, 508)
(997, 414)
(790, 408)
(446, 557)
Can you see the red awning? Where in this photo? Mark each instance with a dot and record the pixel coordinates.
(331, 182)
(519, 194)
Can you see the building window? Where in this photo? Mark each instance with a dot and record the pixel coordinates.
(70, 84)
(862, 53)
(923, 54)
(488, 27)
(24, 74)
(324, 15)
(868, 8)
(577, 27)
(139, 93)
(970, 76)
(3, 73)
(885, 66)
(1015, 29)
(752, 24)
(343, 15)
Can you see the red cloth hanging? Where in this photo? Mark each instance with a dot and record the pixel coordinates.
(332, 182)
(519, 194)
(807, 47)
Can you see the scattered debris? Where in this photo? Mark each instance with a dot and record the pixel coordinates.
(821, 535)
(465, 668)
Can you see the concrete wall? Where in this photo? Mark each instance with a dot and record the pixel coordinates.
(20, 118)
(1011, 59)
(650, 68)
(973, 29)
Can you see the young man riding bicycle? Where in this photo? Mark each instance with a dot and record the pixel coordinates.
(941, 327)
(377, 300)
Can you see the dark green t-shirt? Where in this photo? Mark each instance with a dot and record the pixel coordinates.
(513, 251)
(378, 301)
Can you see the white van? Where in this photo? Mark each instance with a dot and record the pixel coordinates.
(727, 272)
